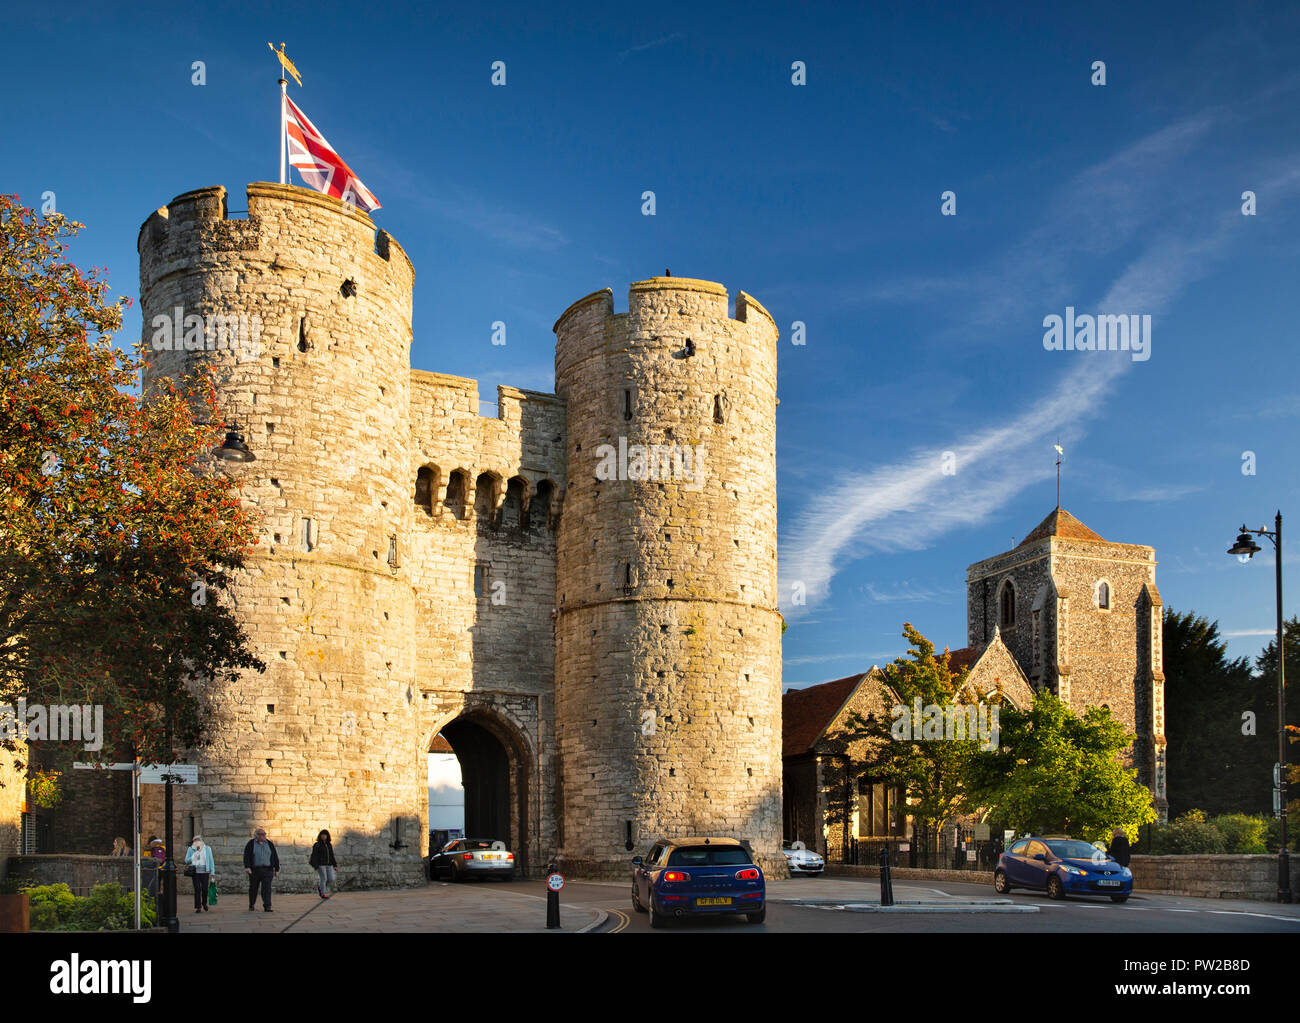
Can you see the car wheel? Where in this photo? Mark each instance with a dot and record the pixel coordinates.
(1055, 890)
(636, 903)
(1000, 883)
(1119, 898)
(453, 873)
(657, 920)
(757, 918)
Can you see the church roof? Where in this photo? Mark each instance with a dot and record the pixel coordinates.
(1060, 523)
(963, 657)
(807, 713)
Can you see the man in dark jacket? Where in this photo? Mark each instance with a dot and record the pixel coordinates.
(1119, 851)
(261, 864)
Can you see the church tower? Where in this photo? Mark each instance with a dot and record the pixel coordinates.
(1082, 616)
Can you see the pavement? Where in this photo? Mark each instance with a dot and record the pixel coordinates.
(475, 907)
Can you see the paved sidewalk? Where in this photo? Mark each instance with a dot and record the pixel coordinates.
(448, 908)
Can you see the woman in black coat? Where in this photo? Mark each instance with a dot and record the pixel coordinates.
(322, 858)
(1119, 851)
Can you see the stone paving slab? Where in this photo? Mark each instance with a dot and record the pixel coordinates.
(437, 908)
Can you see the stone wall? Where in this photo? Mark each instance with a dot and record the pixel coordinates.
(80, 873)
(668, 663)
(1207, 876)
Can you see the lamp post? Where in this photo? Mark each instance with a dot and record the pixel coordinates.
(1247, 546)
(233, 448)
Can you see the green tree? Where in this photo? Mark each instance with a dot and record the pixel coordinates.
(931, 772)
(117, 537)
(1213, 763)
(1058, 772)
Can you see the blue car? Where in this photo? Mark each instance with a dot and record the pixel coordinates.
(1061, 867)
(698, 877)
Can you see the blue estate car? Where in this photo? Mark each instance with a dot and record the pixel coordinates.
(698, 876)
(1061, 866)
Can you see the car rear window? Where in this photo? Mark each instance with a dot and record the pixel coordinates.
(472, 844)
(708, 856)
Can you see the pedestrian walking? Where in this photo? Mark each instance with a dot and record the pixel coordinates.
(119, 847)
(201, 869)
(261, 864)
(322, 858)
(1119, 850)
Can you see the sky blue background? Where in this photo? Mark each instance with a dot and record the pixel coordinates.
(823, 201)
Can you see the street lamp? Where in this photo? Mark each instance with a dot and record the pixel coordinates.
(1247, 546)
(233, 448)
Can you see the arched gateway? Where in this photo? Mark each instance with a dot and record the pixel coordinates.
(497, 765)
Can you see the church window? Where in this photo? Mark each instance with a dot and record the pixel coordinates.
(1103, 595)
(1007, 605)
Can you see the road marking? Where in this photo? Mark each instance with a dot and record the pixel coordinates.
(1243, 912)
(623, 920)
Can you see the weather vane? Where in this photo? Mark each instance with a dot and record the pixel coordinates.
(1059, 453)
(286, 63)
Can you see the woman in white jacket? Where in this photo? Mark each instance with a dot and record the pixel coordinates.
(205, 869)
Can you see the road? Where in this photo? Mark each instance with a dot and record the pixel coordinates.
(1141, 914)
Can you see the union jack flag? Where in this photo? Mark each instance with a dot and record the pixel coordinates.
(321, 167)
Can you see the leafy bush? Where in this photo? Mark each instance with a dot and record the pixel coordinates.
(1242, 833)
(1273, 839)
(107, 908)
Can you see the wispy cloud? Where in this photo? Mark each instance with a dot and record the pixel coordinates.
(460, 205)
(652, 44)
(908, 504)
(905, 593)
(1240, 633)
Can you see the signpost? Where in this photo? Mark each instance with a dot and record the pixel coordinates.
(554, 882)
(152, 774)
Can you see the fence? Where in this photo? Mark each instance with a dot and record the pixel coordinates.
(927, 848)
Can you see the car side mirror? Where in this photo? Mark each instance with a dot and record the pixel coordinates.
(636, 861)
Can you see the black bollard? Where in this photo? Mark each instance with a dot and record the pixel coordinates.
(886, 882)
(554, 882)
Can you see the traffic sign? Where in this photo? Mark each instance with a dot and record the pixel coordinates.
(555, 882)
(182, 774)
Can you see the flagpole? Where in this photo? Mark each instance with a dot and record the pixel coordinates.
(284, 126)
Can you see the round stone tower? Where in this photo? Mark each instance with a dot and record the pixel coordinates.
(304, 311)
(668, 638)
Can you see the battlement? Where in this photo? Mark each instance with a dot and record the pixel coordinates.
(199, 222)
(601, 303)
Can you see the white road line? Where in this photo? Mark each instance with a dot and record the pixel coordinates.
(1243, 912)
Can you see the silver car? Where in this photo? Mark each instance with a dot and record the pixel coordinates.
(472, 857)
(801, 859)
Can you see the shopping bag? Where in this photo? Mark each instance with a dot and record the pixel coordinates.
(212, 893)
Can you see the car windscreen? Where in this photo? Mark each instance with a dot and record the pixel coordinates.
(1073, 850)
(708, 856)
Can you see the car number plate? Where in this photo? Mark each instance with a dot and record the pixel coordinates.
(1109, 884)
(491, 856)
(713, 902)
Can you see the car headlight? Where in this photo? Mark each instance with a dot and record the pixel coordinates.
(1074, 870)
(1125, 872)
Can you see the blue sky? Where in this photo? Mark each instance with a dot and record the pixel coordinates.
(924, 332)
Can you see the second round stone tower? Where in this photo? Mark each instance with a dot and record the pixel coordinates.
(668, 638)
